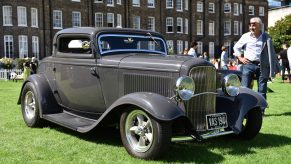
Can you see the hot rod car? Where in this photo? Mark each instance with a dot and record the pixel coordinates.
(107, 76)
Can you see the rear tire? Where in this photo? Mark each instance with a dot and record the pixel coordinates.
(30, 106)
(252, 124)
(143, 136)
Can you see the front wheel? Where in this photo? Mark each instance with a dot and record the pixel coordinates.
(143, 136)
(252, 124)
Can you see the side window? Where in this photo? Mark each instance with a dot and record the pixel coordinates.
(75, 45)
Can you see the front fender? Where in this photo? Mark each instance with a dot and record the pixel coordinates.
(237, 107)
(44, 94)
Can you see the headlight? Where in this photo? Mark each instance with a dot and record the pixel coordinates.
(185, 87)
(231, 85)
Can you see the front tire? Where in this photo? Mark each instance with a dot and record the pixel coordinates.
(143, 136)
(30, 106)
(252, 124)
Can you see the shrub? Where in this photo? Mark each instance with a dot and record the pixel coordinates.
(7, 63)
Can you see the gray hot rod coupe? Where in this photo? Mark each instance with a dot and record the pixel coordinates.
(125, 77)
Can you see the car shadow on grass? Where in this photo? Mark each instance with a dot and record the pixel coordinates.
(278, 114)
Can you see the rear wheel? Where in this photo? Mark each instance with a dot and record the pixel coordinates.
(252, 124)
(143, 136)
(30, 106)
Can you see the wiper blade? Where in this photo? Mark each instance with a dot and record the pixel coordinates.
(153, 38)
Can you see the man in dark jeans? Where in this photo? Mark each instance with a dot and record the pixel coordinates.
(285, 62)
(259, 57)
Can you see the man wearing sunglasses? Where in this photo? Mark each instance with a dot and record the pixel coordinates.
(258, 58)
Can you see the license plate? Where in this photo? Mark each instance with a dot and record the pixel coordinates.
(216, 121)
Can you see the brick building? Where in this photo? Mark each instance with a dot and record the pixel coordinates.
(28, 26)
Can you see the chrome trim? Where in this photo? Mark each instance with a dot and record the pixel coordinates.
(206, 136)
(204, 93)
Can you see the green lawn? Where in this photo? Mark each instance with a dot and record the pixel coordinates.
(55, 144)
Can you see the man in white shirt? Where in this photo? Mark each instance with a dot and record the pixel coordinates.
(192, 51)
(289, 55)
(259, 57)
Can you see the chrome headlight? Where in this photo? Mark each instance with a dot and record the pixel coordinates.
(231, 85)
(185, 87)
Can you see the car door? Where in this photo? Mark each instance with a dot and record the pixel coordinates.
(77, 80)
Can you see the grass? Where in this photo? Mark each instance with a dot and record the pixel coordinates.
(55, 144)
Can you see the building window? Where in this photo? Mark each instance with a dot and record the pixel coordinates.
(7, 16)
(110, 19)
(151, 23)
(34, 17)
(186, 26)
(235, 9)
(199, 7)
(136, 22)
(211, 49)
(76, 19)
(8, 46)
(118, 2)
(151, 3)
(186, 5)
(119, 20)
(75, 0)
(199, 47)
(240, 8)
(169, 24)
(98, 19)
(169, 4)
(227, 28)
(251, 10)
(110, 2)
(211, 28)
(186, 44)
(136, 3)
(151, 45)
(21, 15)
(211, 8)
(227, 8)
(179, 5)
(199, 27)
(57, 19)
(261, 11)
(170, 45)
(180, 46)
(179, 25)
(98, 1)
(235, 28)
(23, 48)
(240, 28)
(35, 46)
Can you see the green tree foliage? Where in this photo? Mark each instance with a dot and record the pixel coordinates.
(281, 32)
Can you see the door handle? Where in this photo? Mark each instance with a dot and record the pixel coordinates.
(93, 71)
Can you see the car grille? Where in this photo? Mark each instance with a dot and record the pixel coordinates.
(198, 107)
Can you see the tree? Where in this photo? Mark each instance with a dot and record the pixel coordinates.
(281, 32)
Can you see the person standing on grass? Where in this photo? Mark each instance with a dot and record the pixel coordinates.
(259, 57)
(285, 62)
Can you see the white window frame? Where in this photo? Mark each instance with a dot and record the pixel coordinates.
(151, 45)
(211, 8)
(7, 15)
(170, 44)
(118, 2)
(211, 28)
(110, 19)
(75, 0)
(169, 4)
(8, 46)
(98, 1)
(211, 49)
(119, 20)
(35, 46)
(151, 23)
(186, 2)
(57, 19)
(136, 22)
(199, 27)
(179, 25)
(199, 47)
(227, 28)
(99, 19)
(34, 17)
(110, 3)
(186, 27)
(179, 5)
(235, 9)
(76, 19)
(227, 8)
(186, 44)
(23, 46)
(169, 23)
(235, 27)
(136, 3)
(199, 7)
(240, 8)
(151, 4)
(251, 10)
(180, 46)
(261, 11)
(22, 16)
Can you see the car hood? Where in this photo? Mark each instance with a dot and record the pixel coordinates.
(171, 63)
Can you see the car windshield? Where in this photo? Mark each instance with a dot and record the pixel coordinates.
(124, 43)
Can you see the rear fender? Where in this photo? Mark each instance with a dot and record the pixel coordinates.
(237, 107)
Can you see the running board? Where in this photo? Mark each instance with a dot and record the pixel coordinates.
(71, 121)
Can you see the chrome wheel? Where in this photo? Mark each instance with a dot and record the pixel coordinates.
(139, 131)
(29, 105)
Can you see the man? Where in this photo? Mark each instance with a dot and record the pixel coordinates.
(289, 55)
(192, 50)
(223, 58)
(285, 62)
(259, 57)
